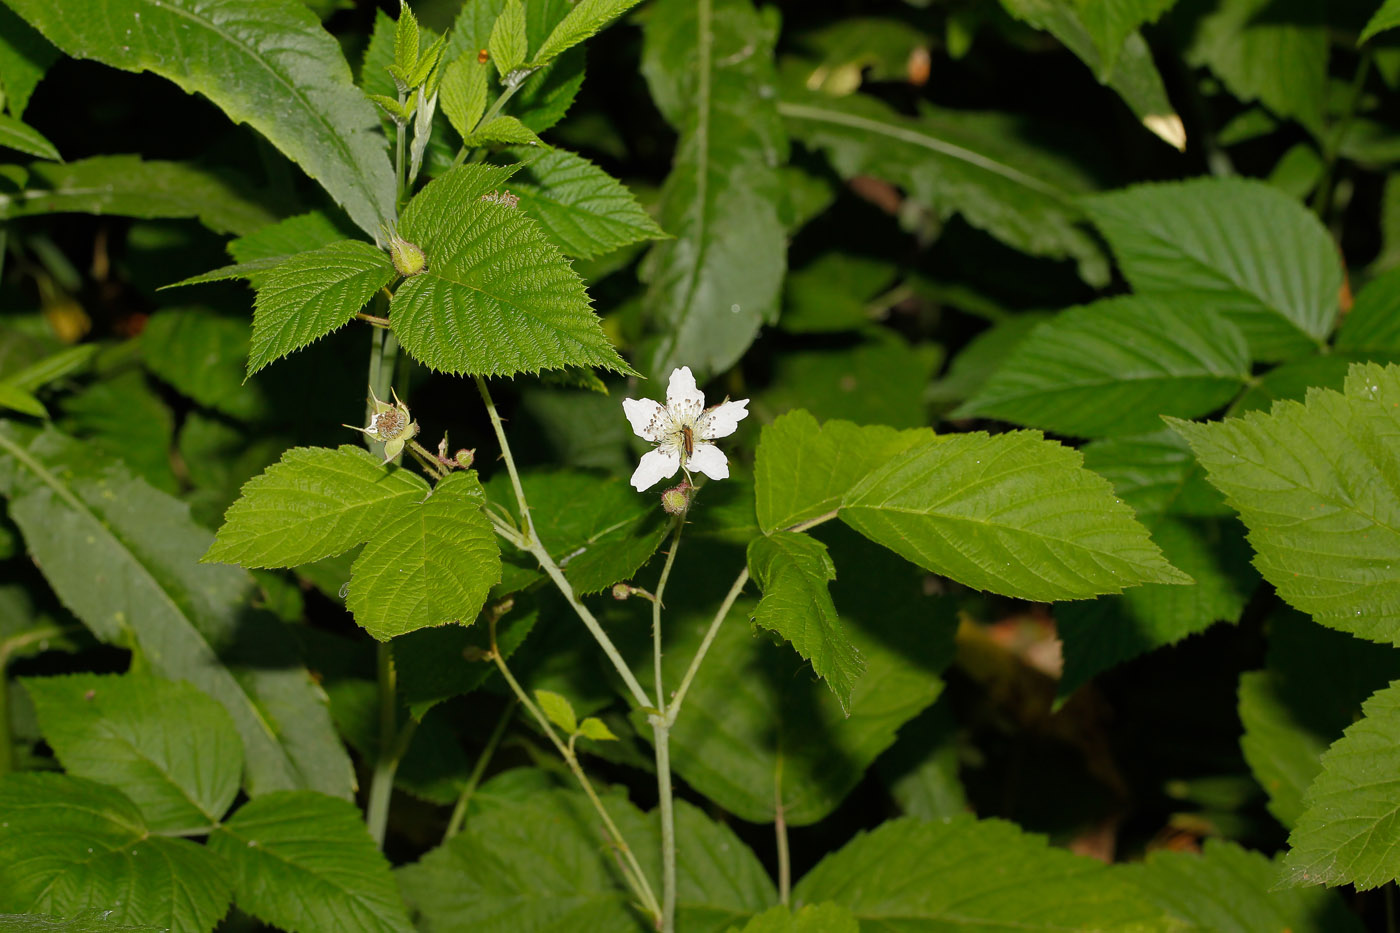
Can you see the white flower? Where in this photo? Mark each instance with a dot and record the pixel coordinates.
(389, 424)
(680, 431)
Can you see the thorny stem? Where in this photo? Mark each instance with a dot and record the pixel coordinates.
(656, 609)
(661, 733)
(400, 135)
(376, 321)
(459, 812)
(427, 460)
(636, 878)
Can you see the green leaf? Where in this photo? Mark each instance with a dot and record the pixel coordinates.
(1254, 254)
(597, 730)
(16, 135)
(1373, 323)
(583, 209)
(87, 921)
(876, 381)
(297, 234)
(304, 862)
(1011, 513)
(1112, 22)
(17, 399)
(503, 131)
(812, 918)
(508, 43)
(973, 875)
(431, 661)
(293, 83)
(311, 294)
(24, 57)
(979, 165)
(123, 418)
(203, 354)
(497, 298)
(1315, 484)
(69, 845)
(52, 367)
(427, 565)
(1347, 833)
(793, 571)
(558, 710)
(406, 40)
(182, 772)
(1113, 367)
(1387, 17)
(90, 526)
(1228, 889)
(921, 768)
(584, 19)
(315, 503)
(126, 186)
(710, 70)
(463, 94)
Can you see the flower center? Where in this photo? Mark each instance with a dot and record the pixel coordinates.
(389, 424)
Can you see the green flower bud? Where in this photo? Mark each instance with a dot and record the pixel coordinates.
(677, 499)
(464, 458)
(407, 257)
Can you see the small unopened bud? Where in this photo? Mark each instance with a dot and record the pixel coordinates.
(407, 257)
(464, 458)
(621, 591)
(473, 653)
(677, 499)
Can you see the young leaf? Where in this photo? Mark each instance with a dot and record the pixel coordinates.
(1256, 255)
(24, 58)
(793, 570)
(182, 772)
(311, 294)
(508, 44)
(583, 209)
(406, 42)
(586, 18)
(812, 918)
(1010, 513)
(69, 845)
(497, 298)
(973, 874)
(597, 730)
(304, 861)
(315, 503)
(51, 368)
(293, 83)
(1373, 323)
(1387, 17)
(463, 94)
(503, 131)
(88, 526)
(1115, 366)
(287, 237)
(558, 710)
(427, 565)
(18, 136)
(1315, 483)
(710, 70)
(17, 399)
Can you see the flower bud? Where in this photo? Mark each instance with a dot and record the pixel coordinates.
(677, 499)
(621, 591)
(464, 458)
(407, 257)
(473, 653)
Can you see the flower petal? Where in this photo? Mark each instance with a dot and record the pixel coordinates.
(710, 460)
(683, 399)
(661, 463)
(647, 418)
(722, 420)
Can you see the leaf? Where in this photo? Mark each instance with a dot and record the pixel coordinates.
(1347, 831)
(124, 185)
(497, 298)
(1257, 256)
(182, 772)
(316, 502)
(406, 41)
(921, 769)
(974, 874)
(463, 94)
(122, 418)
(1111, 22)
(1315, 484)
(1228, 889)
(203, 354)
(69, 845)
(88, 921)
(973, 164)
(298, 234)
(558, 709)
(293, 83)
(875, 381)
(24, 58)
(1011, 513)
(793, 570)
(508, 44)
(503, 131)
(431, 661)
(597, 730)
(311, 294)
(427, 565)
(1373, 323)
(304, 862)
(16, 135)
(17, 399)
(583, 209)
(710, 70)
(584, 19)
(812, 918)
(91, 526)
(1113, 367)
(1387, 17)
(52, 367)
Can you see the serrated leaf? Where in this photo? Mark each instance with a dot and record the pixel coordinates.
(69, 845)
(312, 294)
(975, 874)
(1115, 366)
(812, 918)
(406, 40)
(462, 94)
(1011, 513)
(502, 131)
(203, 355)
(1111, 22)
(24, 58)
(1318, 487)
(427, 565)
(1373, 323)
(585, 19)
(18, 136)
(876, 381)
(286, 237)
(182, 772)
(316, 502)
(1387, 17)
(712, 287)
(1254, 254)
(508, 44)
(793, 571)
(597, 730)
(431, 661)
(558, 710)
(304, 862)
(294, 86)
(91, 527)
(497, 298)
(1347, 833)
(87, 921)
(582, 208)
(125, 185)
(122, 417)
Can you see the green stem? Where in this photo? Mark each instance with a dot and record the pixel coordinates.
(459, 812)
(488, 116)
(400, 135)
(393, 743)
(661, 735)
(674, 709)
(656, 609)
(780, 830)
(1322, 198)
